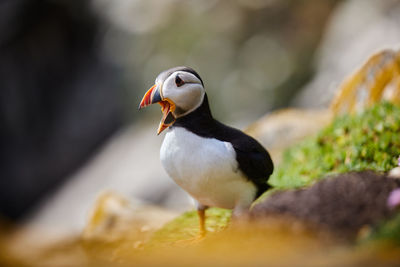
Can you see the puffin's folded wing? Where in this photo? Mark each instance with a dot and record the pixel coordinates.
(254, 161)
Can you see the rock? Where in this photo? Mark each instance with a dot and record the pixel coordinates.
(281, 129)
(113, 217)
(357, 30)
(342, 204)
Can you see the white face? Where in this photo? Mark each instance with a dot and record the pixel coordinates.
(184, 89)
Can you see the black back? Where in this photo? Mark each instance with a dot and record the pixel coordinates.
(253, 160)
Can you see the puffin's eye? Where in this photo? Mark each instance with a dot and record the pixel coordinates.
(178, 81)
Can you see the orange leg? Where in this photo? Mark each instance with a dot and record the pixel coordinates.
(201, 211)
(202, 220)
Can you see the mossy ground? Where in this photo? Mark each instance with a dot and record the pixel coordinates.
(186, 226)
(366, 141)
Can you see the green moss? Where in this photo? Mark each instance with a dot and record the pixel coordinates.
(186, 226)
(370, 140)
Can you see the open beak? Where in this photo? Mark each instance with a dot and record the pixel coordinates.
(153, 95)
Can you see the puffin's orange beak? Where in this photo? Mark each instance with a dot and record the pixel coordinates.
(152, 96)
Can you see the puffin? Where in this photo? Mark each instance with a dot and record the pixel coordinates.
(219, 166)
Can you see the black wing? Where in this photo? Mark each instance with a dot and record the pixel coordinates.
(253, 159)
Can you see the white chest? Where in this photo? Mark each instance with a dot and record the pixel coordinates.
(206, 168)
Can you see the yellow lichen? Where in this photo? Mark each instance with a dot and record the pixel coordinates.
(378, 78)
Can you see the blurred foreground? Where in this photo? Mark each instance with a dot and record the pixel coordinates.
(124, 241)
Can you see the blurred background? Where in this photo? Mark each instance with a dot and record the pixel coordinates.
(72, 74)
